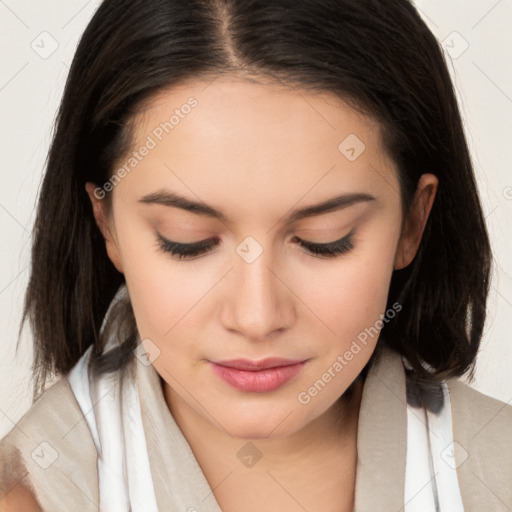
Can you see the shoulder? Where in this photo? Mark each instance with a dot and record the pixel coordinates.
(482, 435)
(43, 447)
(473, 409)
(15, 488)
(19, 498)
(50, 408)
(56, 401)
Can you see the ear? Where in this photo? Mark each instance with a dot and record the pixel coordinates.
(414, 225)
(102, 221)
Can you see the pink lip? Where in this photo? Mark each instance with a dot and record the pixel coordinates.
(257, 376)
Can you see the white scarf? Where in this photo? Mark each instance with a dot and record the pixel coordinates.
(111, 407)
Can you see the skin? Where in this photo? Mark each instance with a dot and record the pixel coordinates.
(19, 498)
(256, 152)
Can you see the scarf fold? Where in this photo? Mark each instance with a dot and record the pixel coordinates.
(145, 463)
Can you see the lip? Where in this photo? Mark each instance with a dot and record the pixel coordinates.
(257, 376)
(263, 364)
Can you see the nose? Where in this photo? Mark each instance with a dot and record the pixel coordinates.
(259, 304)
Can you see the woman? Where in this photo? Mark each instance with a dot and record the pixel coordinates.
(260, 264)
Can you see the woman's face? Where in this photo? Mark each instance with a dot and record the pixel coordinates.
(255, 166)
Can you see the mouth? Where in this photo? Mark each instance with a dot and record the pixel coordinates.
(257, 376)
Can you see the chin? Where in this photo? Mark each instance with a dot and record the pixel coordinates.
(257, 432)
(264, 424)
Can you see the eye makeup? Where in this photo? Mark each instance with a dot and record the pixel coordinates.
(191, 250)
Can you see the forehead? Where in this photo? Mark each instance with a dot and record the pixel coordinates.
(233, 138)
(232, 103)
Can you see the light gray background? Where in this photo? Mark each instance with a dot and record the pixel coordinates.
(476, 34)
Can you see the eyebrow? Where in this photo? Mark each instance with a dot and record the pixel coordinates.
(167, 198)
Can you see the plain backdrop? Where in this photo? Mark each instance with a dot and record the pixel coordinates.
(38, 40)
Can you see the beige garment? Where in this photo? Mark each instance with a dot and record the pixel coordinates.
(51, 451)
(482, 429)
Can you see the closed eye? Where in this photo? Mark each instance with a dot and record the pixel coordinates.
(182, 251)
(325, 250)
(330, 249)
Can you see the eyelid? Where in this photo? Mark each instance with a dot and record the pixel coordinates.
(189, 250)
(190, 245)
(329, 249)
(326, 244)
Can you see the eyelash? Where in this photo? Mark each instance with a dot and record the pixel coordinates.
(327, 250)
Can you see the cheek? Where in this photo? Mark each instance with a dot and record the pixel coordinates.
(349, 294)
(163, 291)
(164, 302)
(348, 301)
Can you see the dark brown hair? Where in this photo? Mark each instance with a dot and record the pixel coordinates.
(377, 55)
